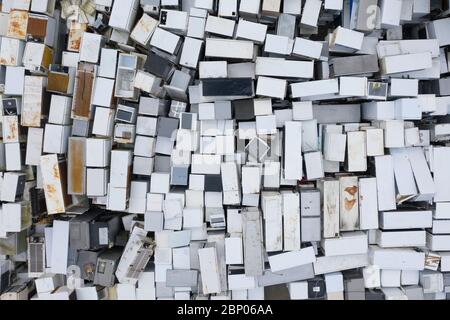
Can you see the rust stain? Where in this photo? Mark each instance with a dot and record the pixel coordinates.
(89, 268)
(36, 119)
(37, 27)
(15, 24)
(18, 21)
(75, 43)
(77, 166)
(81, 104)
(51, 192)
(429, 260)
(144, 25)
(57, 82)
(348, 204)
(13, 130)
(55, 171)
(75, 33)
(48, 56)
(31, 119)
(351, 190)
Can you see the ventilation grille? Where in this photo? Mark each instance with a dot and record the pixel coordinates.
(36, 258)
(139, 263)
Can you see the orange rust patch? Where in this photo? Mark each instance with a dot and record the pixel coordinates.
(18, 21)
(77, 167)
(50, 189)
(75, 43)
(349, 204)
(75, 33)
(55, 171)
(351, 190)
(51, 193)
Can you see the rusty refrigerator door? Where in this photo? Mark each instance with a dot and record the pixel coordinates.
(76, 179)
(54, 182)
(84, 84)
(18, 23)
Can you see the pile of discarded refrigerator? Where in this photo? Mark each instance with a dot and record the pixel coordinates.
(225, 149)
